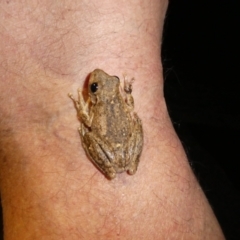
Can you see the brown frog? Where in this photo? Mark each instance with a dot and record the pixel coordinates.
(111, 132)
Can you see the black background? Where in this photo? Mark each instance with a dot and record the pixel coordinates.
(201, 70)
(202, 90)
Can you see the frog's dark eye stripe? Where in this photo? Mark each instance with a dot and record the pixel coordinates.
(94, 87)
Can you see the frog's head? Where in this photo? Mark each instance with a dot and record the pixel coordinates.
(102, 85)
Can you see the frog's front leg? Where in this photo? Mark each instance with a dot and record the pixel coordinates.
(85, 115)
(135, 145)
(100, 153)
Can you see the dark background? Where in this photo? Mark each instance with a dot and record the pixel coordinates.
(202, 90)
(201, 70)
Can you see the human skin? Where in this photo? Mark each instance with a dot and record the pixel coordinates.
(49, 188)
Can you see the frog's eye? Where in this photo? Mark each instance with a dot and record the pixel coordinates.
(94, 87)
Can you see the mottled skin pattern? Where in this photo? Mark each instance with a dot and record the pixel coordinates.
(111, 133)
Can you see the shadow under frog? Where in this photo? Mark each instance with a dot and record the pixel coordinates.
(111, 132)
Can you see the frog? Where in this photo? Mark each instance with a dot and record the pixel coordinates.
(111, 132)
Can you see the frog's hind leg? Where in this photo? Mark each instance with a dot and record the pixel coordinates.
(135, 145)
(100, 154)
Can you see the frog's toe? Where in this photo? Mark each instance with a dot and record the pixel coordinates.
(111, 175)
(132, 170)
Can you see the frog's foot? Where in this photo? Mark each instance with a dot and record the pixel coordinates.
(76, 102)
(100, 154)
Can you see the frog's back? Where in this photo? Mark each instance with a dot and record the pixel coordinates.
(112, 120)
